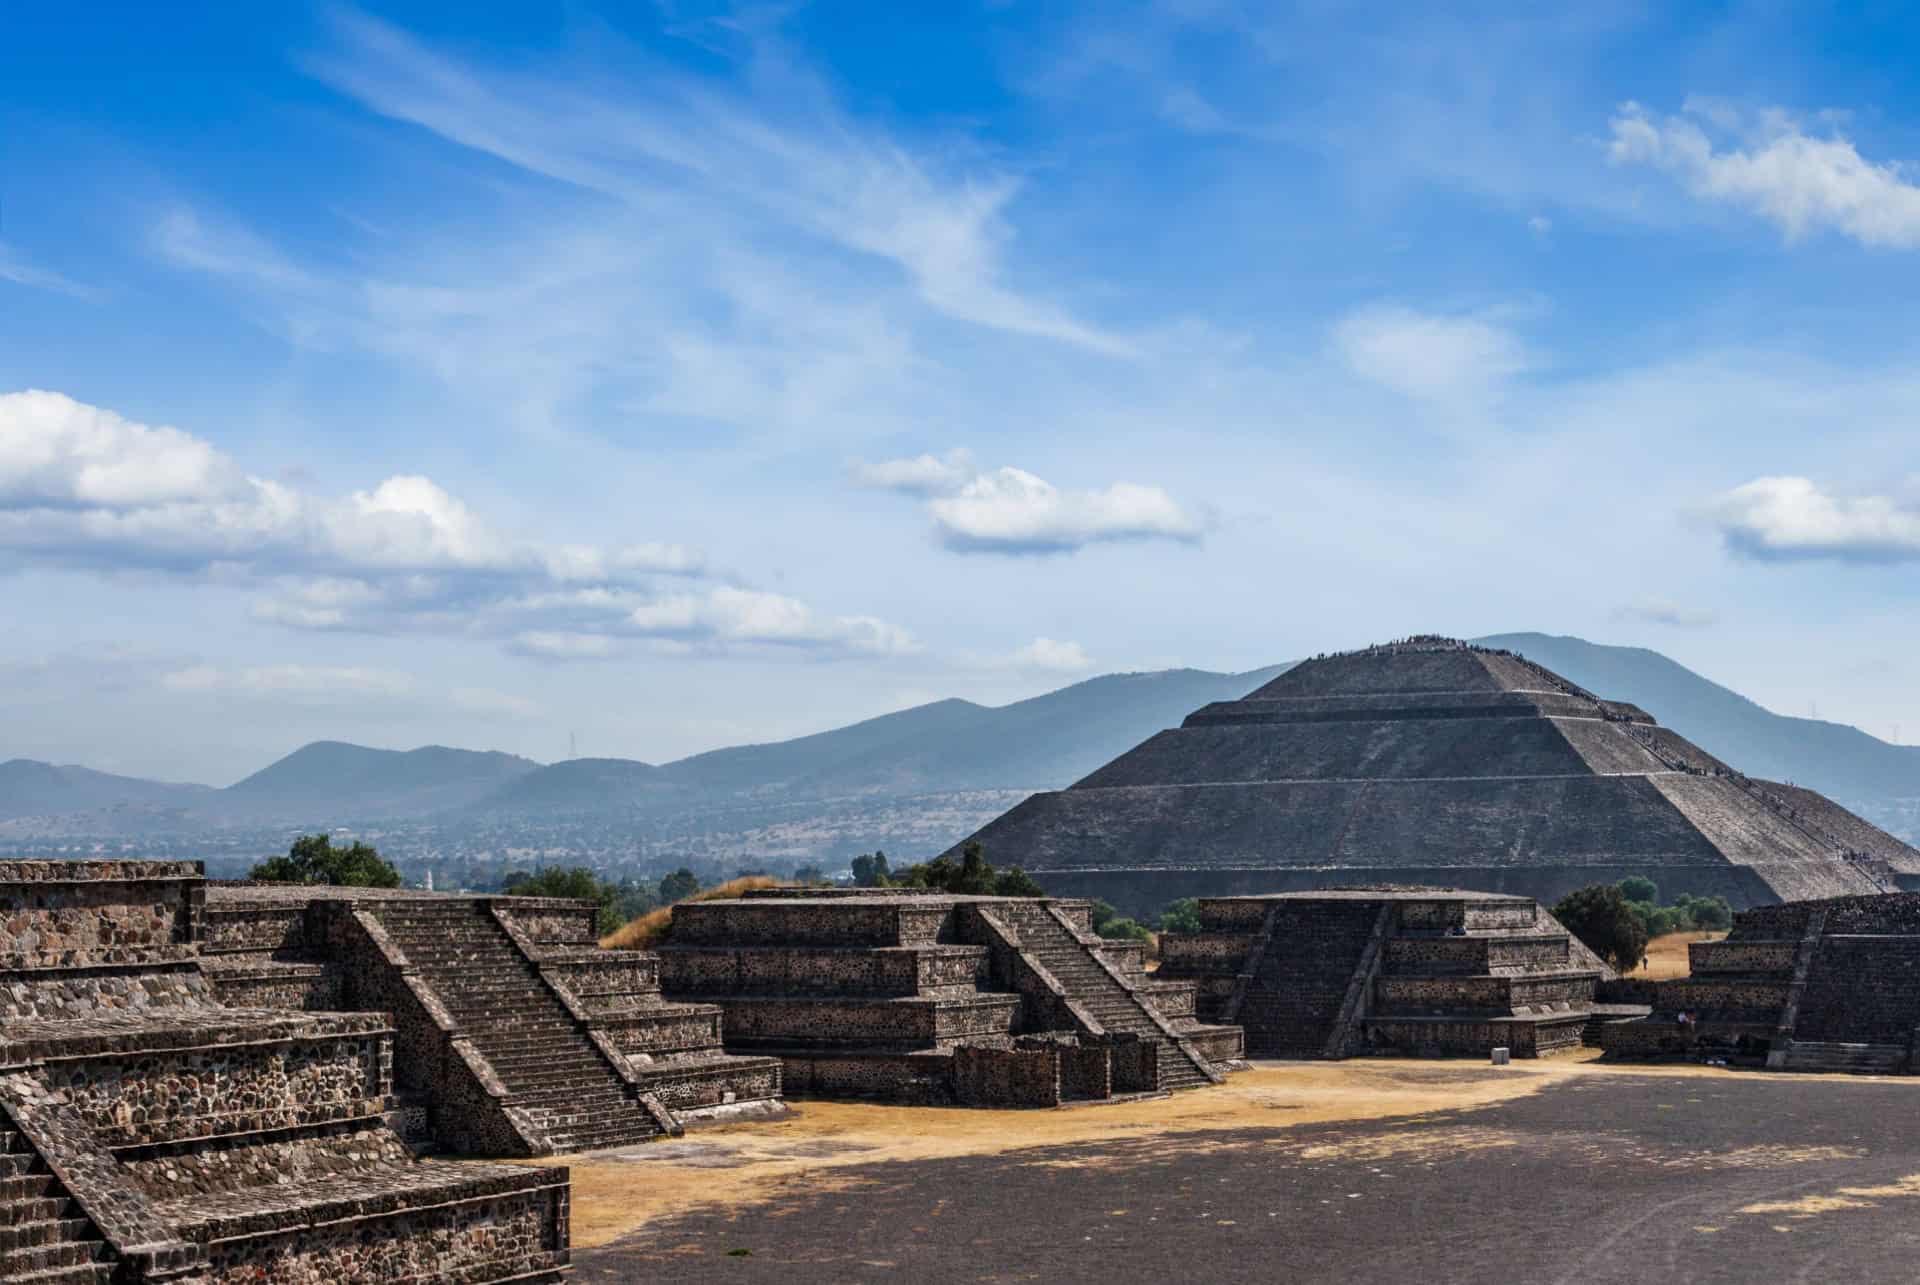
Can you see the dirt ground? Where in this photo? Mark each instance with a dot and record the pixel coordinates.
(1356, 1173)
(1667, 956)
(617, 1192)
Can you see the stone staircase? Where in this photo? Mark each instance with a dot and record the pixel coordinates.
(1852, 1059)
(1300, 981)
(44, 1237)
(1115, 1005)
(552, 1070)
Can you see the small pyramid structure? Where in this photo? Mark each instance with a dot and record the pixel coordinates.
(1433, 761)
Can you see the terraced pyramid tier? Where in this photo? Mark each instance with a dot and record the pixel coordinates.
(1432, 762)
(1341, 972)
(974, 1000)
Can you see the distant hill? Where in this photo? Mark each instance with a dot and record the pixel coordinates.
(332, 779)
(950, 754)
(32, 788)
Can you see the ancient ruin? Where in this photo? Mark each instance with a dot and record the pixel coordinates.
(149, 1131)
(1829, 985)
(941, 999)
(1411, 971)
(519, 1035)
(1433, 762)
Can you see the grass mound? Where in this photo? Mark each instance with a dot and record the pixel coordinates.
(650, 929)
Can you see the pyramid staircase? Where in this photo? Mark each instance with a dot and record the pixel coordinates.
(44, 1237)
(552, 1070)
(1846, 1059)
(1100, 989)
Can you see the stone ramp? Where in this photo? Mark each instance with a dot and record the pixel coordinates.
(574, 1097)
(45, 1237)
(1045, 935)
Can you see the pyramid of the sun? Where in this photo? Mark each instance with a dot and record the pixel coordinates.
(1433, 762)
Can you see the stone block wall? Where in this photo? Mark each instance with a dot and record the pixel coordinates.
(77, 914)
(1863, 990)
(1006, 1077)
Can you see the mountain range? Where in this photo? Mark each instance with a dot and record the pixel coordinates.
(947, 748)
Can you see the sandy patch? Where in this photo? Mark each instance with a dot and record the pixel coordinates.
(1667, 956)
(1840, 1198)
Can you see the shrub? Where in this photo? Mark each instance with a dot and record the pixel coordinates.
(870, 871)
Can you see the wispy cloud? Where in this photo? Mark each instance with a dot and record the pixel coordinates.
(1051, 655)
(1436, 357)
(83, 486)
(1767, 164)
(15, 267)
(302, 681)
(1011, 511)
(659, 134)
(1662, 611)
(1792, 518)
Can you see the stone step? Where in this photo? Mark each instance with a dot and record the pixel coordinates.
(25, 1187)
(85, 1273)
(38, 1208)
(54, 1262)
(50, 1231)
(14, 1164)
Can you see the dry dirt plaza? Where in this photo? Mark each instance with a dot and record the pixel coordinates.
(1375, 1170)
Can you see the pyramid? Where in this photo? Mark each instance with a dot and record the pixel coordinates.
(1432, 761)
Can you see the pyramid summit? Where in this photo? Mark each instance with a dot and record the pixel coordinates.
(1434, 761)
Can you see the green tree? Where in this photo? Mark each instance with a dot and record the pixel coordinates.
(1710, 913)
(1611, 926)
(314, 859)
(809, 874)
(870, 871)
(1182, 916)
(577, 882)
(1640, 888)
(678, 886)
(1102, 914)
(1015, 882)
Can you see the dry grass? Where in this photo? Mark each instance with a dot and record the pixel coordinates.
(1667, 956)
(650, 929)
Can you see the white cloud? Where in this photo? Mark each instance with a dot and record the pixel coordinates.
(1540, 225)
(83, 486)
(924, 475)
(1776, 170)
(557, 645)
(1785, 518)
(1429, 356)
(1053, 656)
(1662, 611)
(1009, 510)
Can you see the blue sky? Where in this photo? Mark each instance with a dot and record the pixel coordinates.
(683, 375)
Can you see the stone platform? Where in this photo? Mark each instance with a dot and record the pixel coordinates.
(149, 1132)
(936, 998)
(520, 1036)
(1830, 985)
(1428, 971)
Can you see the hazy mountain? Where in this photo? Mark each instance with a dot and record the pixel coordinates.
(31, 788)
(923, 760)
(957, 745)
(331, 779)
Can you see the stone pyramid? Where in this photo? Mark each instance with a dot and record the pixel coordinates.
(1431, 761)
